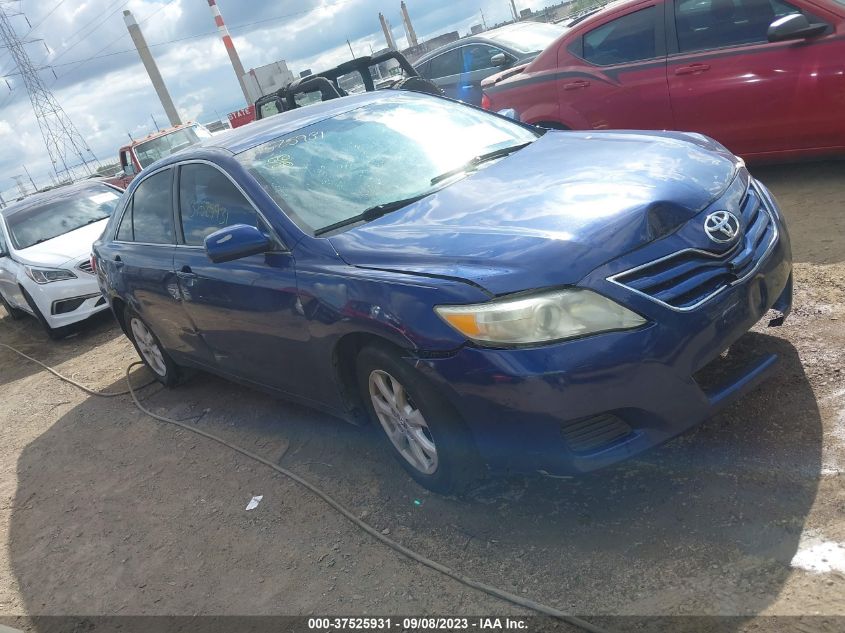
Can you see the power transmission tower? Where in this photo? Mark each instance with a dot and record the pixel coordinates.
(66, 147)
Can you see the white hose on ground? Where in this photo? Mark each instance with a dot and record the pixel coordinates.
(507, 596)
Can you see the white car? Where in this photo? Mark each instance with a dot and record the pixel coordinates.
(45, 250)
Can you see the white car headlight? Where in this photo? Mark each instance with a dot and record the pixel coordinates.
(540, 318)
(48, 275)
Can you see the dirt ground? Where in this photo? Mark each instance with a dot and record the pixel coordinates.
(106, 511)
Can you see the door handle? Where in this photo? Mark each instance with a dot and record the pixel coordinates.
(576, 85)
(118, 262)
(692, 69)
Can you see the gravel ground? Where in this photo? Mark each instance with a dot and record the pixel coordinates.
(105, 511)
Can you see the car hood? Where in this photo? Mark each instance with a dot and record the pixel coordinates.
(64, 248)
(550, 213)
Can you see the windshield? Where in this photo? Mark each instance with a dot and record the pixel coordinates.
(40, 223)
(528, 38)
(338, 168)
(164, 146)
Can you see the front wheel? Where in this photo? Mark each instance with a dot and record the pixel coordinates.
(150, 350)
(424, 433)
(14, 313)
(55, 333)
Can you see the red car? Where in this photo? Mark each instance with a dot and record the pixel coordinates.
(764, 77)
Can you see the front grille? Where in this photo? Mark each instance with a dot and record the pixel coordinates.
(592, 434)
(86, 267)
(689, 278)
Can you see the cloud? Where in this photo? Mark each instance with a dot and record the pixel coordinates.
(109, 96)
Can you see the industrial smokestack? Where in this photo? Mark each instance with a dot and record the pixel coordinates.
(409, 28)
(230, 48)
(388, 34)
(152, 68)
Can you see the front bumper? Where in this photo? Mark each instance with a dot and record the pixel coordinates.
(584, 404)
(66, 302)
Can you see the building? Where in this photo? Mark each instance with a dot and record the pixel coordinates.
(267, 79)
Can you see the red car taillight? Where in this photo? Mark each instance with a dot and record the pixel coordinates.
(485, 102)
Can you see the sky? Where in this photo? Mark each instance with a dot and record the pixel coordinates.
(101, 84)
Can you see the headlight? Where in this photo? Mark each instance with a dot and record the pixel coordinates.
(48, 275)
(540, 318)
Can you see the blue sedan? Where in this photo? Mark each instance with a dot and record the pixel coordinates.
(489, 294)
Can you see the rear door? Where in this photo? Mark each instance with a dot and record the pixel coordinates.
(140, 258)
(727, 81)
(614, 75)
(246, 311)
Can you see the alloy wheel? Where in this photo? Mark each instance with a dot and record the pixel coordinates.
(403, 422)
(148, 347)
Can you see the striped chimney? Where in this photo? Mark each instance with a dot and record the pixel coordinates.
(230, 48)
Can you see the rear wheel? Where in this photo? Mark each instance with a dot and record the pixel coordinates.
(423, 432)
(150, 350)
(14, 313)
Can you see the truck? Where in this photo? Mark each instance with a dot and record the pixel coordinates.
(143, 152)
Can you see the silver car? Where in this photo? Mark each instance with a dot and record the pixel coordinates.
(460, 67)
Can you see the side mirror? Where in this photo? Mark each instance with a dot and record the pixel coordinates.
(236, 242)
(129, 170)
(499, 60)
(793, 27)
(509, 113)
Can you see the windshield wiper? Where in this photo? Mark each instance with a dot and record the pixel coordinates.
(475, 162)
(373, 213)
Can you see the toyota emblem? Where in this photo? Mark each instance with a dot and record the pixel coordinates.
(722, 227)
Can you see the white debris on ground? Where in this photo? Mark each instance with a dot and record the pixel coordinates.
(817, 555)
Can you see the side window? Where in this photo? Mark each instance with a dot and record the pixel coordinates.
(478, 56)
(627, 39)
(708, 24)
(3, 249)
(124, 231)
(447, 64)
(152, 210)
(424, 70)
(208, 202)
(269, 108)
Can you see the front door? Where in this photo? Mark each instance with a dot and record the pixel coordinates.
(727, 81)
(246, 311)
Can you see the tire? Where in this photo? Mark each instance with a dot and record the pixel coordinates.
(55, 333)
(151, 351)
(428, 438)
(14, 313)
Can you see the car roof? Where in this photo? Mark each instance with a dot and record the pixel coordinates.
(488, 37)
(244, 138)
(64, 192)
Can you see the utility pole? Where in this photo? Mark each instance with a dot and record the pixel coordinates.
(158, 129)
(483, 21)
(152, 68)
(515, 12)
(230, 48)
(349, 44)
(62, 140)
(19, 182)
(32, 182)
